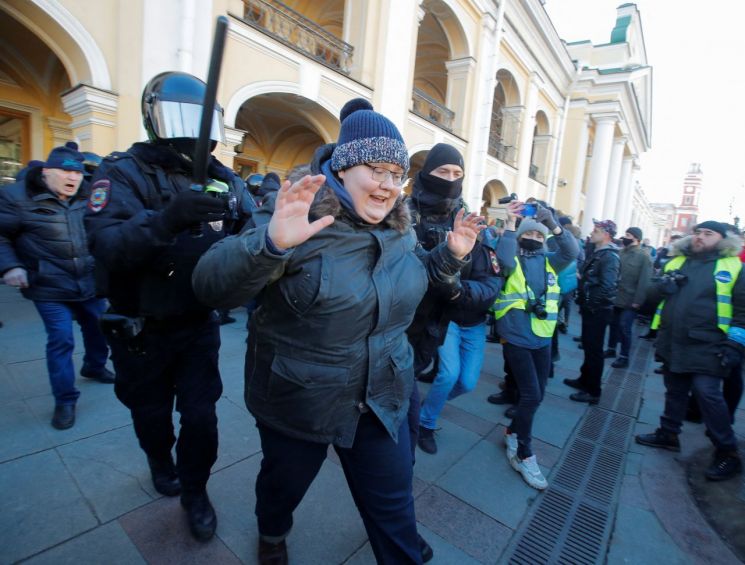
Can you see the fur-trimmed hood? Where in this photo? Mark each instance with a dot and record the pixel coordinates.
(326, 202)
(730, 246)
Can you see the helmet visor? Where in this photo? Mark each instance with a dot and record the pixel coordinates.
(182, 119)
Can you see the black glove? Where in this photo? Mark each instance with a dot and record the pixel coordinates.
(544, 216)
(191, 207)
(730, 355)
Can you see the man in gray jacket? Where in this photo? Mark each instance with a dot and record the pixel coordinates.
(701, 338)
(636, 270)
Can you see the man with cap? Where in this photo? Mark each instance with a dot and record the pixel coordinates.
(701, 338)
(596, 295)
(44, 252)
(454, 324)
(636, 271)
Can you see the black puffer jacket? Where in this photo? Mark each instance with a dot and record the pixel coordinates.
(598, 284)
(689, 340)
(45, 235)
(329, 336)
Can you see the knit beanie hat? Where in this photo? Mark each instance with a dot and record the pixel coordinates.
(636, 232)
(367, 137)
(65, 158)
(531, 225)
(719, 227)
(442, 154)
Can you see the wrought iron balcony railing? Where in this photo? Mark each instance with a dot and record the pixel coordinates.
(505, 153)
(432, 111)
(284, 24)
(503, 136)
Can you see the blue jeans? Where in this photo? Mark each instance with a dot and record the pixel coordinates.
(620, 329)
(461, 357)
(531, 368)
(708, 392)
(58, 317)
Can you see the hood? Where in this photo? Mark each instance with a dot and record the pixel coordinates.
(327, 203)
(730, 246)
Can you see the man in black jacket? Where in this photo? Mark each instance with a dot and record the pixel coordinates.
(596, 293)
(701, 338)
(147, 230)
(43, 252)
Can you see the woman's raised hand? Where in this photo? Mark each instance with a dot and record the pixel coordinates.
(289, 226)
(465, 230)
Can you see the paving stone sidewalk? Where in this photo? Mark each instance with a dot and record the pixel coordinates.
(84, 495)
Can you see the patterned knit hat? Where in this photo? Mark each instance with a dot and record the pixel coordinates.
(65, 158)
(367, 137)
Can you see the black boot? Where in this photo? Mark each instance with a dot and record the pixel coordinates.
(426, 549)
(165, 478)
(620, 363)
(64, 416)
(660, 438)
(102, 376)
(272, 553)
(504, 397)
(724, 465)
(426, 441)
(201, 515)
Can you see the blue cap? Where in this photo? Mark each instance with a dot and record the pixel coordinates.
(367, 137)
(65, 158)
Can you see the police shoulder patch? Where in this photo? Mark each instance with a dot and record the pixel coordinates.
(99, 198)
(723, 277)
(494, 262)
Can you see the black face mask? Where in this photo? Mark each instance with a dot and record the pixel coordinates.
(436, 195)
(627, 241)
(530, 244)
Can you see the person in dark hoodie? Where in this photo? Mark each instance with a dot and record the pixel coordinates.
(147, 228)
(596, 294)
(341, 274)
(701, 339)
(269, 185)
(44, 252)
(526, 312)
(460, 327)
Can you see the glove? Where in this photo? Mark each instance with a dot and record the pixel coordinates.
(730, 355)
(544, 216)
(191, 207)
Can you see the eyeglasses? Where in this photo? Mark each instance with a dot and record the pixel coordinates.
(381, 175)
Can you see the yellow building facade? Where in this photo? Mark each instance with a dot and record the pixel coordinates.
(532, 114)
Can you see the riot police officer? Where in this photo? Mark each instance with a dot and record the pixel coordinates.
(147, 230)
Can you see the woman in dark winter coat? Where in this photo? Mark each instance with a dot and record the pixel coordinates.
(330, 363)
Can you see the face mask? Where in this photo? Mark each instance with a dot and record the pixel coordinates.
(530, 244)
(442, 187)
(627, 241)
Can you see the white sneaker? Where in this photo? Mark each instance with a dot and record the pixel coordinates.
(510, 443)
(530, 471)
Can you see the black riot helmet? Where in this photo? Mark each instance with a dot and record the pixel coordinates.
(172, 111)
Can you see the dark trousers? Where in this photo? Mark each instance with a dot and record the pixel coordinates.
(379, 475)
(708, 392)
(531, 368)
(593, 337)
(732, 390)
(173, 364)
(620, 329)
(57, 318)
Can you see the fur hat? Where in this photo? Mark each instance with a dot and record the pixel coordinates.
(367, 137)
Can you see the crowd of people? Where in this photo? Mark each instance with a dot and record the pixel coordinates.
(355, 290)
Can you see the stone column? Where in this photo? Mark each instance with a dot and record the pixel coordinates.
(623, 200)
(61, 132)
(625, 215)
(526, 137)
(226, 151)
(94, 113)
(614, 175)
(605, 125)
(579, 167)
(456, 97)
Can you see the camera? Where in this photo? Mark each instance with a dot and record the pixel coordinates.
(676, 277)
(507, 199)
(537, 308)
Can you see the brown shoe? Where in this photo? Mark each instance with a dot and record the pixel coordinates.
(272, 553)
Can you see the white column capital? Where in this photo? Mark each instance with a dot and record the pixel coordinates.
(460, 65)
(83, 99)
(234, 136)
(605, 119)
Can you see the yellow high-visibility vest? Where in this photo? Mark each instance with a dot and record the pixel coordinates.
(726, 271)
(515, 295)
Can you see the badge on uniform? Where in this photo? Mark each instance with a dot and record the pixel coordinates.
(550, 279)
(216, 226)
(723, 277)
(99, 195)
(494, 262)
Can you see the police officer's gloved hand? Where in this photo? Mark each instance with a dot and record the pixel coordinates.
(730, 355)
(191, 207)
(545, 217)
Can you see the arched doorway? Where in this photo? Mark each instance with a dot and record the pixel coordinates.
(491, 209)
(505, 120)
(539, 161)
(282, 131)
